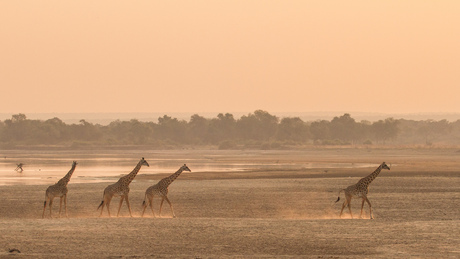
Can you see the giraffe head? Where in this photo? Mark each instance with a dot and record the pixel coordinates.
(185, 168)
(144, 162)
(385, 166)
(74, 163)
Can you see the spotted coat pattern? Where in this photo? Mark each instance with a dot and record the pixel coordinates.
(59, 190)
(360, 190)
(161, 189)
(120, 188)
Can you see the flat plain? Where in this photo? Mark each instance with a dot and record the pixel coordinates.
(284, 210)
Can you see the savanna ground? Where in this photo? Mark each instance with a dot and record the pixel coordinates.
(255, 213)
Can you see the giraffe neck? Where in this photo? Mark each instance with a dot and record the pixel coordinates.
(368, 179)
(168, 180)
(65, 180)
(129, 178)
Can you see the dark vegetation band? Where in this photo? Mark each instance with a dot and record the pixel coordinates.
(259, 130)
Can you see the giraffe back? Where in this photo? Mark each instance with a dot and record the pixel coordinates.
(60, 188)
(157, 189)
(362, 187)
(162, 186)
(116, 189)
(121, 187)
(56, 190)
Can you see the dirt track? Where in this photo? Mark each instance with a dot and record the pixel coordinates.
(254, 214)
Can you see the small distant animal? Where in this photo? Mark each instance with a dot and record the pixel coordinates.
(19, 167)
(14, 250)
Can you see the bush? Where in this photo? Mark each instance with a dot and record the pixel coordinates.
(228, 144)
(335, 142)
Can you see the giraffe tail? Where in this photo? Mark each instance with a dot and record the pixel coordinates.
(44, 204)
(143, 203)
(338, 199)
(102, 202)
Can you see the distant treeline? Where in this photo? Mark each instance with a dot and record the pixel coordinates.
(259, 130)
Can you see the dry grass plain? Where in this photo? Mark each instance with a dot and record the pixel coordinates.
(259, 213)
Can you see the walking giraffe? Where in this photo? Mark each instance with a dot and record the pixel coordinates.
(360, 190)
(59, 190)
(120, 188)
(161, 189)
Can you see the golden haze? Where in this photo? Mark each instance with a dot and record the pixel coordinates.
(229, 56)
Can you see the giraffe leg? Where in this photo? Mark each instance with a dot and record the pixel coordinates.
(170, 205)
(102, 208)
(362, 206)
(51, 203)
(343, 207)
(370, 208)
(119, 206)
(161, 205)
(144, 206)
(44, 207)
(107, 205)
(347, 203)
(349, 209)
(129, 207)
(65, 205)
(60, 206)
(151, 206)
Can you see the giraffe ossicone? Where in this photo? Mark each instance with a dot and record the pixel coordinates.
(360, 190)
(161, 189)
(59, 190)
(120, 188)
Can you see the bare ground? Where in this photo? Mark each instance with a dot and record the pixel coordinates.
(282, 213)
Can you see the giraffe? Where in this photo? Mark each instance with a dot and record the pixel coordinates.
(161, 189)
(360, 190)
(120, 188)
(59, 190)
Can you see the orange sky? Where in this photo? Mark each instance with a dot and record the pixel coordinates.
(229, 56)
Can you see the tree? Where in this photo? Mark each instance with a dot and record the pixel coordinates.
(16, 129)
(222, 128)
(172, 129)
(140, 132)
(198, 128)
(320, 130)
(431, 129)
(86, 131)
(258, 126)
(384, 130)
(18, 118)
(293, 129)
(344, 128)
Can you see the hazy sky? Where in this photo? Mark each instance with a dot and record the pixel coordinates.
(230, 56)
